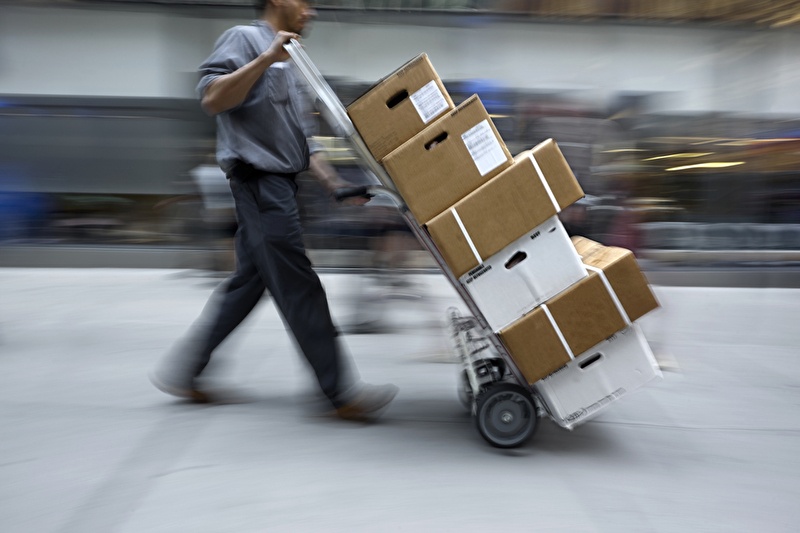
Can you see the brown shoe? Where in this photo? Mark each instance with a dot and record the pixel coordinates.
(368, 403)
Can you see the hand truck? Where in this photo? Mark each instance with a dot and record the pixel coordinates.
(505, 407)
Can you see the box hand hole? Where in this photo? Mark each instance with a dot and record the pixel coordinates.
(592, 360)
(437, 140)
(516, 259)
(396, 99)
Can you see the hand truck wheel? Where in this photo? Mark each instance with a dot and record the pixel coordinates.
(506, 415)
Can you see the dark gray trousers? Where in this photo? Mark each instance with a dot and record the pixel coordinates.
(270, 255)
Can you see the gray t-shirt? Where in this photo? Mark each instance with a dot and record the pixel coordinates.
(272, 127)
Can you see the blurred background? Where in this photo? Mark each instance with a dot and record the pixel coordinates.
(681, 119)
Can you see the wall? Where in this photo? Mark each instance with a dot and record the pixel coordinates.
(153, 53)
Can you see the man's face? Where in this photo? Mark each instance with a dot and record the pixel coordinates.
(297, 14)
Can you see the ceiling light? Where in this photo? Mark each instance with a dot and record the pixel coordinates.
(683, 154)
(707, 165)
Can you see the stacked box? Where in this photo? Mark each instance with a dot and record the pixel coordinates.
(555, 302)
(399, 106)
(534, 189)
(622, 271)
(537, 266)
(504, 241)
(613, 295)
(617, 366)
(448, 160)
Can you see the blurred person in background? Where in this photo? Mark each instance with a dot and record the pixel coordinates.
(219, 212)
(390, 241)
(623, 227)
(263, 130)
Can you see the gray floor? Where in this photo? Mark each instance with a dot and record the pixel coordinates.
(89, 446)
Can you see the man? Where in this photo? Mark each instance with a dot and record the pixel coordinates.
(263, 126)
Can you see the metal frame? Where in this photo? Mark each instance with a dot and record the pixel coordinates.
(471, 341)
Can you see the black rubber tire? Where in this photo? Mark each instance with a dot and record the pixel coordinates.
(506, 415)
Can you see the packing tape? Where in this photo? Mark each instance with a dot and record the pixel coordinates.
(610, 290)
(558, 331)
(545, 184)
(466, 235)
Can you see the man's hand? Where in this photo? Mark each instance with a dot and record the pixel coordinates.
(352, 200)
(276, 51)
(327, 176)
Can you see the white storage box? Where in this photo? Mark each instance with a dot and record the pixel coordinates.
(524, 274)
(598, 377)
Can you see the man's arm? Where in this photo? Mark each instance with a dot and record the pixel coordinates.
(230, 90)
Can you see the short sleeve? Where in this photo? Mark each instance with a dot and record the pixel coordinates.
(232, 51)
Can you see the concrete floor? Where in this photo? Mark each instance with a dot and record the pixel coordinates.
(88, 445)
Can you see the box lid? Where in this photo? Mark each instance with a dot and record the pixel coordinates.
(494, 215)
(556, 170)
(623, 273)
(534, 188)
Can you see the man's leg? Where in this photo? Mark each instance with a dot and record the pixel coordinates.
(270, 239)
(276, 247)
(280, 256)
(230, 304)
(227, 307)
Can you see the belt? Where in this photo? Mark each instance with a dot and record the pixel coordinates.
(245, 171)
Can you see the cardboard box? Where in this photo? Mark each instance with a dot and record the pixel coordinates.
(615, 367)
(623, 273)
(399, 106)
(533, 268)
(537, 186)
(448, 160)
(585, 315)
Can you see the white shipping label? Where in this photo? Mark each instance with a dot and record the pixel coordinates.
(484, 147)
(429, 102)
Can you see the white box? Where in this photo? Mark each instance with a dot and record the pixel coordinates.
(598, 377)
(524, 274)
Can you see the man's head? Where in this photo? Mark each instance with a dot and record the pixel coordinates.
(286, 15)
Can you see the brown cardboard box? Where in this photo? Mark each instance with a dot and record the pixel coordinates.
(400, 106)
(534, 346)
(623, 274)
(448, 160)
(502, 210)
(586, 315)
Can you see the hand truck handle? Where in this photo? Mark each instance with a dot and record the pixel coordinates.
(343, 193)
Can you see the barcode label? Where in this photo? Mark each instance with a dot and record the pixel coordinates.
(484, 147)
(429, 102)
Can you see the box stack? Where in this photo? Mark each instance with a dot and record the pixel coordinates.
(565, 308)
